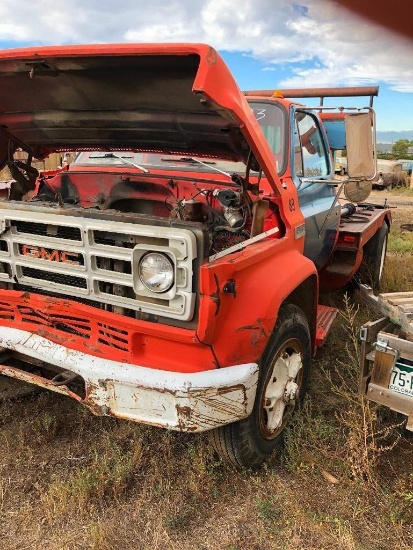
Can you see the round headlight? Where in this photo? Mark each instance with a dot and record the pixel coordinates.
(156, 272)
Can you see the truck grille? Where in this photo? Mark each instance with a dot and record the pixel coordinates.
(94, 260)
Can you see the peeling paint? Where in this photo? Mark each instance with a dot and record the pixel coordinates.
(184, 412)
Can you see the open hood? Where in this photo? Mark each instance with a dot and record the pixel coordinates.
(172, 98)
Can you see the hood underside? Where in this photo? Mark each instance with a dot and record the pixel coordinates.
(164, 98)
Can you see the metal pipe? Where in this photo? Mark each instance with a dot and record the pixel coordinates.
(318, 92)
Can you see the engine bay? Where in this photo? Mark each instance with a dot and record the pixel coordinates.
(227, 210)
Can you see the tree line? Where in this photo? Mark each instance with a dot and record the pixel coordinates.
(399, 150)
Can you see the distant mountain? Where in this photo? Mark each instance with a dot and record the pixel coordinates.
(391, 137)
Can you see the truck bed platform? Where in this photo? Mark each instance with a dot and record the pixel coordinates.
(365, 216)
(397, 306)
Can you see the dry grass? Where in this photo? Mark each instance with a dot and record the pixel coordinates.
(72, 481)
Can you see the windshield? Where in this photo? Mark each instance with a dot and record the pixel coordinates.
(269, 116)
(145, 161)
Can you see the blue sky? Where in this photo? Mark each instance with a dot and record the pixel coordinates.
(266, 43)
(394, 109)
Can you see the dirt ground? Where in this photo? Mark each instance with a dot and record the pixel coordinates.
(391, 199)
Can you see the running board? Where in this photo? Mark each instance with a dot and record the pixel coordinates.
(325, 319)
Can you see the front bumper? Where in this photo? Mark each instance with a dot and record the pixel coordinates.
(188, 402)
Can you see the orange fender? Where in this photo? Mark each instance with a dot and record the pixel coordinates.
(241, 294)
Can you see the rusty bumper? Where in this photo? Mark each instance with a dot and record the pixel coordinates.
(180, 401)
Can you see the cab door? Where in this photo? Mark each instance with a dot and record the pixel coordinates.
(311, 165)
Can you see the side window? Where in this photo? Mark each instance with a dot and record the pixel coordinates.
(407, 166)
(310, 158)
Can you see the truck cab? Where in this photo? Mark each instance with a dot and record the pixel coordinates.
(302, 156)
(338, 236)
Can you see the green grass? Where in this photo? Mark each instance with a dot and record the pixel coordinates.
(398, 273)
(400, 241)
(401, 244)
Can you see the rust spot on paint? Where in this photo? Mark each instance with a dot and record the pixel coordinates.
(229, 389)
(96, 409)
(184, 412)
(50, 335)
(258, 332)
(103, 383)
(211, 56)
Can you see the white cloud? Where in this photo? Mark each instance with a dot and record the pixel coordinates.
(327, 44)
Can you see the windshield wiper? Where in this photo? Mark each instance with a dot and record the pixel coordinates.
(125, 161)
(189, 160)
(208, 164)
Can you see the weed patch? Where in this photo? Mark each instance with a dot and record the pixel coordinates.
(398, 273)
(107, 476)
(400, 241)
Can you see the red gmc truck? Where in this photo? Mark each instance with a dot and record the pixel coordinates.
(171, 274)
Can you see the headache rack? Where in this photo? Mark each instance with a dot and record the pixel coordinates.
(293, 93)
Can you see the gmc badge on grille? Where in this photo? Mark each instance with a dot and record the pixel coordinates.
(52, 255)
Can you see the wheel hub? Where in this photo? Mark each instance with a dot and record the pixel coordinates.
(291, 391)
(282, 389)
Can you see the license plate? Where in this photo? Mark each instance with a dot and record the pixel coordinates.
(401, 379)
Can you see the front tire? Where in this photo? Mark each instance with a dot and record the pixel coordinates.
(282, 383)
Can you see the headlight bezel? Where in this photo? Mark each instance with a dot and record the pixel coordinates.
(141, 291)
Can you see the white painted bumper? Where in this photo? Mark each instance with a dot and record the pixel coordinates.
(186, 402)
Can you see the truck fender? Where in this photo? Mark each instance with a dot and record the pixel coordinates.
(242, 296)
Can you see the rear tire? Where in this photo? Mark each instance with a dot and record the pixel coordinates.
(282, 383)
(374, 254)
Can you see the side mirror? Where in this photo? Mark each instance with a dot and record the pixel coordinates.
(360, 144)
